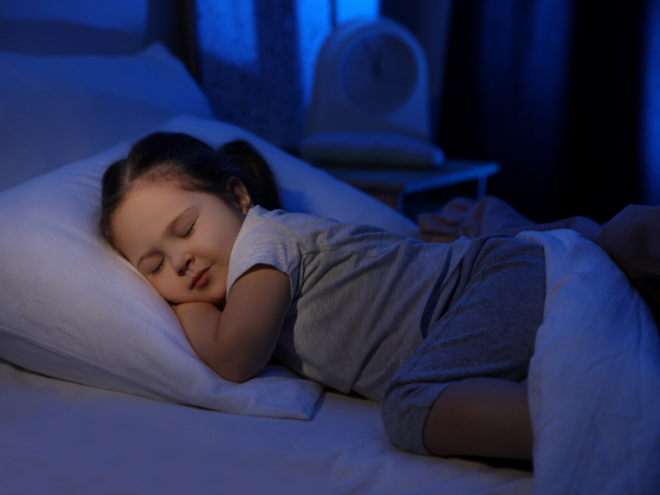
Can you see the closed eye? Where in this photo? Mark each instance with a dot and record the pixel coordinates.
(158, 267)
(188, 232)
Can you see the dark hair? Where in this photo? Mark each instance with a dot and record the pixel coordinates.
(194, 165)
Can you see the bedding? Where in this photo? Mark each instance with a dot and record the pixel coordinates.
(631, 238)
(59, 109)
(597, 337)
(604, 365)
(71, 310)
(61, 437)
(594, 377)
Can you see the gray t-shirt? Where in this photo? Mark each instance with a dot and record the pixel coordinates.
(362, 299)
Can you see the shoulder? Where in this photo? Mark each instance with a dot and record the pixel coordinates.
(299, 228)
(285, 220)
(267, 238)
(312, 233)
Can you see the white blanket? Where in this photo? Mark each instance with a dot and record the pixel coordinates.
(594, 379)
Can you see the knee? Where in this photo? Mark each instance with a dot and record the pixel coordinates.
(404, 409)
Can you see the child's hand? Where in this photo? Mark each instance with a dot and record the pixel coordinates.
(239, 342)
(185, 311)
(198, 319)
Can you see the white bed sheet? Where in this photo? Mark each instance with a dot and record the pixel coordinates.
(61, 437)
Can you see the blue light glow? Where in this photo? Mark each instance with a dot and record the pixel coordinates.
(346, 10)
(227, 30)
(314, 26)
(258, 59)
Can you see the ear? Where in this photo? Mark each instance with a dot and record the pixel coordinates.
(240, 195)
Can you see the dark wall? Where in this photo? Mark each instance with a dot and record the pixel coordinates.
(551, 90)
(601, 168)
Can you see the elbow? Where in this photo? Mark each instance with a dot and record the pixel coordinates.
(234, 374)
(235, 377)
(236, 365)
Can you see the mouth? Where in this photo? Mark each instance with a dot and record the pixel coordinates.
(200, 279)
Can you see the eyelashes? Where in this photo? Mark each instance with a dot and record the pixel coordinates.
(157, 269)
(189, 231)
(184, 236)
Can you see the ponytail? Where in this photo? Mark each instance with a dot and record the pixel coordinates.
(257, 177)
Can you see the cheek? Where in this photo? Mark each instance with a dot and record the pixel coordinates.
(167, 287)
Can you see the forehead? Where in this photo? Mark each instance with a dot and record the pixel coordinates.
(154, 195)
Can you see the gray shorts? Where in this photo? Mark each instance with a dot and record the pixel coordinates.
(488, 330)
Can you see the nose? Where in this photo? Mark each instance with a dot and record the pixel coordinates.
(183, 264)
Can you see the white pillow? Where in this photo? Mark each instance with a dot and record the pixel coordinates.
(72, 308)
(59, 109)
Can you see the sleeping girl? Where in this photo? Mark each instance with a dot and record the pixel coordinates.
(440, 335)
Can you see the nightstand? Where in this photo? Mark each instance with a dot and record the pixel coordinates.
(392, 186)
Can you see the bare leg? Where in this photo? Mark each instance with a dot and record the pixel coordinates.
(486, 417)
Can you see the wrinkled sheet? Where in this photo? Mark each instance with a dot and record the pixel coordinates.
(631, 238)
(472, 218)
(61, 437)
(594, 379)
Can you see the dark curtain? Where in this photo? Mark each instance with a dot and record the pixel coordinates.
(552, 90)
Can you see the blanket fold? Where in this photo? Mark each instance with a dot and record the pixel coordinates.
(631, 238)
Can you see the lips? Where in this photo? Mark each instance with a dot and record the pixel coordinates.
(200, 279)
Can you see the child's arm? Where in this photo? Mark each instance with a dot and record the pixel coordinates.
(239, 341)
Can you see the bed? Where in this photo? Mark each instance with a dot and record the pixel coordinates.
(101, 393)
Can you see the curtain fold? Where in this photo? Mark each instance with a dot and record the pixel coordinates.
(552, 89)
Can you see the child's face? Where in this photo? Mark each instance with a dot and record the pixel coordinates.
(180, 240)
